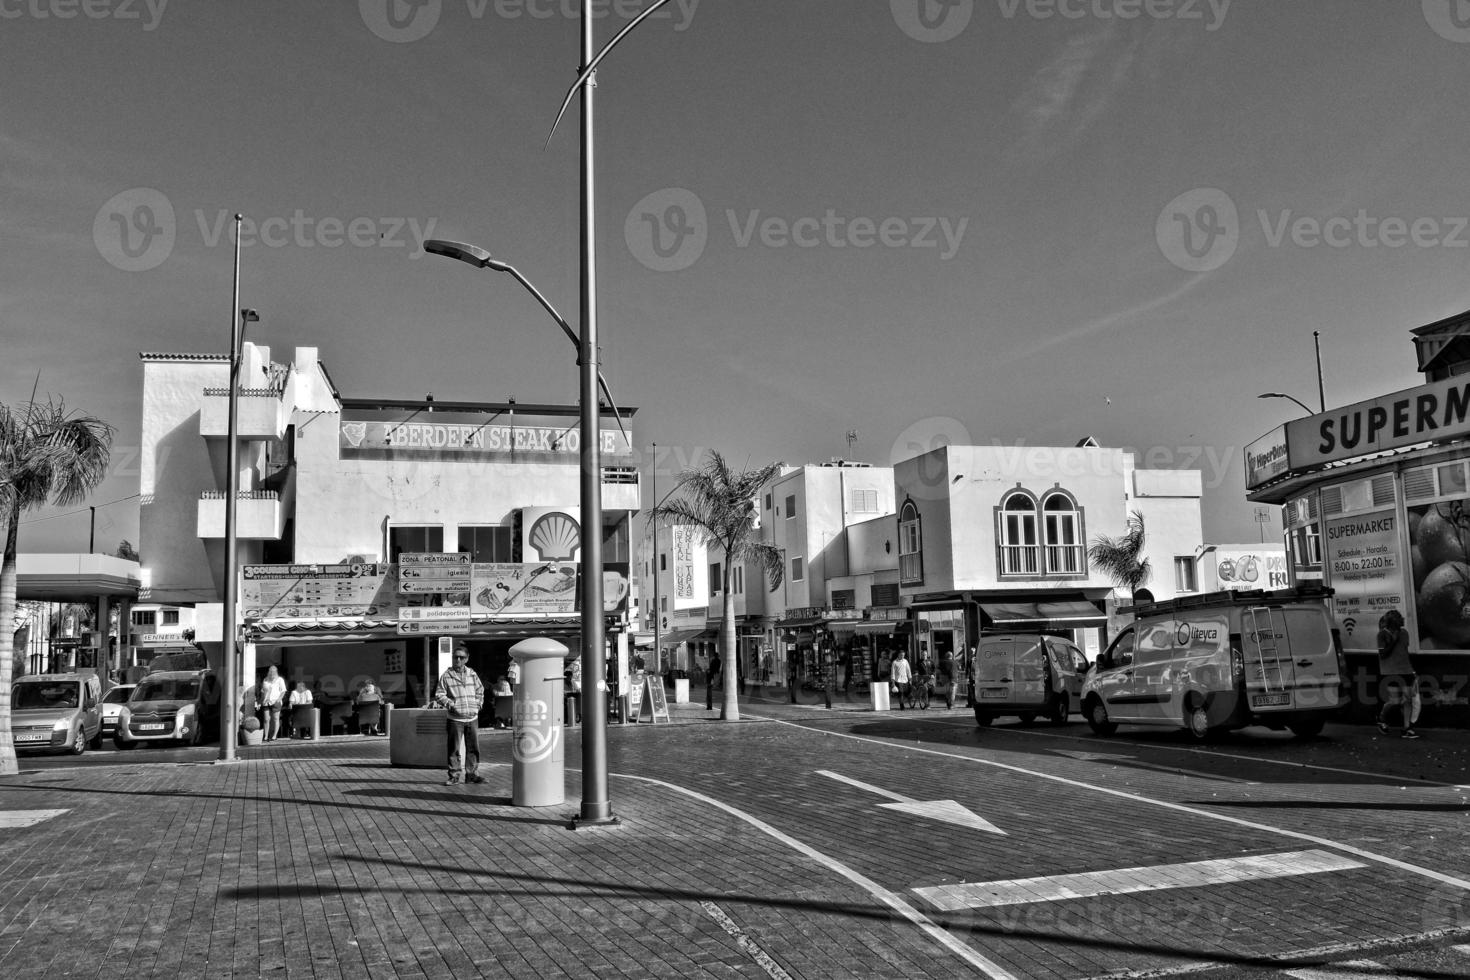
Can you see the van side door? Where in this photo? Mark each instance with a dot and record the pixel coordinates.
(1113, 678)
(1313, 656)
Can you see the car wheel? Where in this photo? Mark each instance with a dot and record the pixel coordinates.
(79, 742)
(1060, 709)
(983, 718)
(1197, 720)
(1028, 717)
(1308, 729)
(1097, 718)
(123, 746)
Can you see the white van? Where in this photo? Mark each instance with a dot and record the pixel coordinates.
(1027, 674)
(1216, 662)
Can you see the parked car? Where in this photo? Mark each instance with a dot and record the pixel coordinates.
(56, 711)
(1027, 674)
(1220, 661)
(170, 706)
(111, 702)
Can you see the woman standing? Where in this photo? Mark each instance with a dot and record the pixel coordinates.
(272, 696)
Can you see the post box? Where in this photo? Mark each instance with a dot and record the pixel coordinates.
(537, 747)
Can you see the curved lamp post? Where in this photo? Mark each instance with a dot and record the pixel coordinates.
(596, 807)
(1280, 394)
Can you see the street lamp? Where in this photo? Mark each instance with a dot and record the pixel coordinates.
(228, 719)
(1279, 394)
(596, 808)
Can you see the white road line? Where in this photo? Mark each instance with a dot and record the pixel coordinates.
(1366, 855)
(1191, 874)
(893, 900)
(16, 819)
(1348, 970)
(746, 944)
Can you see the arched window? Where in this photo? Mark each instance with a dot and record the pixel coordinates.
(910, 546)
(1062, 525)
(1020, 552)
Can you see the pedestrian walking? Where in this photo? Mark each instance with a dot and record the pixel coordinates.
(513, 674)
(461, 693)
(1398, 685)
(272, 696)
(711, 676)
(903, 676)
(846, 661)
(924, 682)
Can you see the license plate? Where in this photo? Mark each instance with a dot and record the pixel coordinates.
(1270, 700)
(28, 737)
(994, 692)
(152, 727)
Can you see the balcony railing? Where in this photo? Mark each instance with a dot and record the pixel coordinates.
(258, 515)
(262, 413)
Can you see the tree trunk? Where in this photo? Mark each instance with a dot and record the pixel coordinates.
(729, 703)
(8, 764)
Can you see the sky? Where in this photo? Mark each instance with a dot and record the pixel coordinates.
(826, 228)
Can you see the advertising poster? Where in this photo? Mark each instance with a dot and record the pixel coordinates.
(1261, 567)
(367, 590)
(505, 589)
(1438, 536)
(1365, 570)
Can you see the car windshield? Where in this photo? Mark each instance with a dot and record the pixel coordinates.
(117, 695)
(167, 689)
(38, 694)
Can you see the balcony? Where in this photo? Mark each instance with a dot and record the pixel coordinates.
(621, 488)
(262, 413)
(258, 515)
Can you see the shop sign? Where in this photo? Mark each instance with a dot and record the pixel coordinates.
(1262, 567)
(1365, 569)
(811, 612)
(1266, 458)
(461, 437)
(1428, 413)
(893, 615)
(365, 589)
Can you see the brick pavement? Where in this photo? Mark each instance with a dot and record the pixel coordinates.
(322, 860)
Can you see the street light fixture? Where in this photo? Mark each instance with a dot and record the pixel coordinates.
(1280, 394)
(596, 807)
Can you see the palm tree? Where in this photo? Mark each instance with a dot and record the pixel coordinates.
(1121, 558)
(45, 454)
(721, 503)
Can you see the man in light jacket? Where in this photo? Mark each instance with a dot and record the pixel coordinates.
(461, 693)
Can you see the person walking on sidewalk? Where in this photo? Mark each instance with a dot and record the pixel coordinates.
(462, 693)
(903, 676)
(711, 676)
(1398, 684)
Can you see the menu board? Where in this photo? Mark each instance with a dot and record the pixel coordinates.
(355, 591)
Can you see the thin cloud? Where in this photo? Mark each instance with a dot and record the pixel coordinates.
(1074, 89)
(1104, 323)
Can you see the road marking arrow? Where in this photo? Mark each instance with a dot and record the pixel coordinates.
(946, 810)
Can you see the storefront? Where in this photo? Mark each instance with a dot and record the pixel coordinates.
(1375, 499)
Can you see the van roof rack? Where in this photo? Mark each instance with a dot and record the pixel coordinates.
(1238, 597)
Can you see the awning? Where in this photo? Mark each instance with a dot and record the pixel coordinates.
(673, 638)
(800, 624)
(1066, 613)
(641, 639)
(883, 626)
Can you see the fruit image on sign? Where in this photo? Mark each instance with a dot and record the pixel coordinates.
(1439, 557)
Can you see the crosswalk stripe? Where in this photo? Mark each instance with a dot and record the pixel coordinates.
(15, 819)
(989, 894)
(1349, 970)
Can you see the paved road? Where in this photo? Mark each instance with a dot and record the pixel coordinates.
(799, 842)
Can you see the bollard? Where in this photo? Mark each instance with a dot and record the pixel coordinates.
(538, 764)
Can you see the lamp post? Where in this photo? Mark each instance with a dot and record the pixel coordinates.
(1279, 394)
(596, 808)
(230, 709)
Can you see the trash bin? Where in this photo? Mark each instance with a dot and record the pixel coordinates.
(878, 695)
(537, 750)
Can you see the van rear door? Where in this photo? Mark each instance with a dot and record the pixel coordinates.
(995, 669)
(1290, 659)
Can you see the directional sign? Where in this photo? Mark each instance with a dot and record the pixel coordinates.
(434, 572)
(437, 627)
(947, 810)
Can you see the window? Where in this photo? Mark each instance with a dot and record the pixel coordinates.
(615, 539)
(844, 598)
(414, 540)
(1063, 525)
(485, 544)
(768, 501)
(663, 563)
(864, 501)
(143, 617)
(170, 617)
(885, 595)
(790, 506)
(1020, 553)
(910, 546)
(1184, 580)
(737, 580)
(796, 570)
(714, 579)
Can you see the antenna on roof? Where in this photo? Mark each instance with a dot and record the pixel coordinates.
(851, 440)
